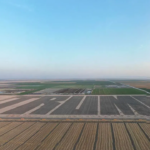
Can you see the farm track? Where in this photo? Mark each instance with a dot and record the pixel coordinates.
(74, 135)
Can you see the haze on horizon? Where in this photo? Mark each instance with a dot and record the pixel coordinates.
(55, 39)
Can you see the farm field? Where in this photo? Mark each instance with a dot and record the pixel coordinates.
(76, 106)
(62, 85)
(74, 135)
(138, 84)
(45, 86)
(116, 91)
(73, 87)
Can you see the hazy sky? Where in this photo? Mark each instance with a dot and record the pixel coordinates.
(74, 39)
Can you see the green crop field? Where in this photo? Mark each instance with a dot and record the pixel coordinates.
(148, 90)
(116, 91)
(37, 86)
(98, 86)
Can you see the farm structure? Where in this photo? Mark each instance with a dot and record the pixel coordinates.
(74, 135)
(70, 91)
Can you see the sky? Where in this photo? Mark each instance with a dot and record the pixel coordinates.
(67, 39)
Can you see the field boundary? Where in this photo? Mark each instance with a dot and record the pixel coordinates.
(125, 117)
(82, 95)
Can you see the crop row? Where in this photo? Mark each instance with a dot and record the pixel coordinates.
(122, 139)
(139, 139)
(36, 140)
(74, 136)
(3, 124)
(146, 128)
(104, 138)
(9, 127)
(10, 135)
(87, 138)
(54, 137)
(22, 138)
(71, 136)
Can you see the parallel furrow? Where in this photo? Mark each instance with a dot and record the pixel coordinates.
(10, 135)
(36, 140)
(146, 128)
(71, 137)
(54, 137)
(9, 127)
(122, 139)
(104, 139)
(22, 138)
(87, 138)
(140, 140)
(4, 124)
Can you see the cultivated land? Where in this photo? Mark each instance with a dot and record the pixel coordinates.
(74, 135)
(113, 117)
(142, 84)
(116, 91)
(138, 84)
(75, 107)
(67, 87)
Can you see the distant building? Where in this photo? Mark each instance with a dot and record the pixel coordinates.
(88, 91)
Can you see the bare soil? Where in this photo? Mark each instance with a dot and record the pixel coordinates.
(139, 84)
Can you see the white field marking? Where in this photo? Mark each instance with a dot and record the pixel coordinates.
(141, 102)
(8, 100)
(34, 109)
(115, 96)
(17, 105)
(52, 99)
(5, 97)
(99, 111)
(60, 102)
(58, 105)
(134, 111)
(120, 112)
(81, 102)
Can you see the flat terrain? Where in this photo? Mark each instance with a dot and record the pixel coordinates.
(138, 84)
(38, 86)
(116, 91)
(70, 91)
(76, 107)
(75, 122)
(73, 87)
(74, 135)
